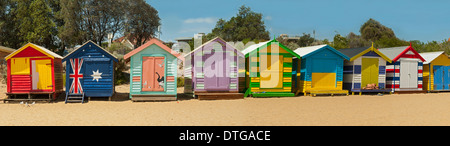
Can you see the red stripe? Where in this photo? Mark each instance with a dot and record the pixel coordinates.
(420, 71)
(8, 86)
(392, 71)
(392, 86)
(419, 86)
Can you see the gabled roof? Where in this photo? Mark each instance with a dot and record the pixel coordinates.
(308, 51)
(430, 56)
(256, 47)
(90, 42)
(38, 48)
(215, 40)
(6, 49)
(354, 53)
(395, 53)
(149, 43)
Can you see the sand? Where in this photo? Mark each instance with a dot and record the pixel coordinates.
(404, 109)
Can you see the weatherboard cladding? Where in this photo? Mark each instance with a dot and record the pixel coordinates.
(321, 60)
(97, 70)
(436, 71)
(409, 57)
(213, 67)
(153, 49)
(256, 79)
(352, 69)
(32, 69)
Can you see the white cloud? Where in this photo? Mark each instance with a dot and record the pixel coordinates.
(200, 20)
(268, 18)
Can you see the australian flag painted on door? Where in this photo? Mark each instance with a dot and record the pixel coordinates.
(90, 71)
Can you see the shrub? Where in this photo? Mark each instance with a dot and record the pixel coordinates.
(120, 76)
(180, 81)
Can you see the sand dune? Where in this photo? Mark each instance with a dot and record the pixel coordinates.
(405, 109)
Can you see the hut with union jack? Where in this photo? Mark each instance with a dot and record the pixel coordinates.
(89, 73)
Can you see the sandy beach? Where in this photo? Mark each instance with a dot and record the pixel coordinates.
(404, 109)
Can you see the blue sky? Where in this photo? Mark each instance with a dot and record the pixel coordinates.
(410, 19)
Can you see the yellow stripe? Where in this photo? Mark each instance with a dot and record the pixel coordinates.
(288, 60)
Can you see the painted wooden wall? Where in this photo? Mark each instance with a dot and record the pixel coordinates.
(170, 71)
(213, 67)
(47, 75)
(321, 71)
(95, 60)
(393, 75)
(353, 75)
(428, 77)
(277, 78)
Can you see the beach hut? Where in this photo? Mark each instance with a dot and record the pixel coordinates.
(321, 70)
(153, 72)
(33, 70)
(89, 73)
(269, 69)
(436, 71)
(211, 71)
(4, 51)
(405, 71)
(366, 70)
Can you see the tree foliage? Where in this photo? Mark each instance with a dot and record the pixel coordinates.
(245, 25)
(373, 30)
(142, 22)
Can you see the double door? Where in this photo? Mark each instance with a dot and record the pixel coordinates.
(441, 77)
(153, 74)
(409, 74)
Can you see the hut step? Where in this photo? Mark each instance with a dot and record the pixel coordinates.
(74, 98)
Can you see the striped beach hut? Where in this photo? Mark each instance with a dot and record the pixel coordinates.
(436, 71)
(321, 70)
(211, 71)
(153, 72)
(269, 69)
(89, 73)
(405, 71)
(366, 67)
(34, 70)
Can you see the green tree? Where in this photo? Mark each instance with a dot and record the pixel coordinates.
(305, 40)
(245, 25)
(35, 22)
(142, 22)
(91, 19)
(356, 41)
(386, 42)
(373, 30)
(340, 42)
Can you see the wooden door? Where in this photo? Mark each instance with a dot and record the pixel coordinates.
(153, 74)
(408, 74)
(446, 81)
(41, 74)
(369, 71)
(216, 70)
(438, 77)
(323, 74)
(271, 71)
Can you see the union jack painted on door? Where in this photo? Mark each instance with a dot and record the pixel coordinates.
(76, 65)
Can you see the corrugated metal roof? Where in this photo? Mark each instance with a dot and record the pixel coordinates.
(6, 49)
(253, 47)
(215, 39)
(306, 50)
(430, 56)
(351, 52)
(392, 52)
